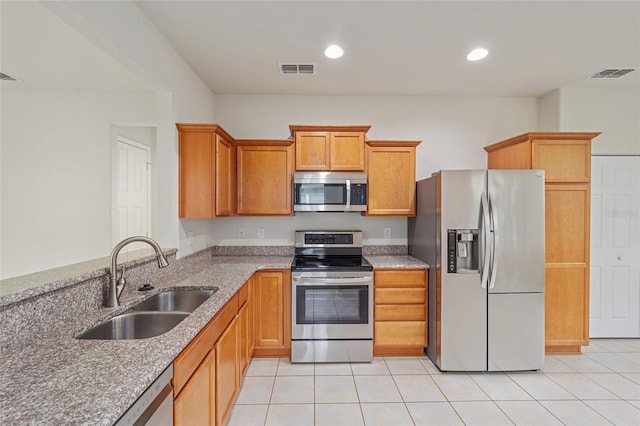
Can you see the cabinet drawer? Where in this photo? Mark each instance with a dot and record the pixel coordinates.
(400, 313)
(188, 360)
(397, 278)
(391, 296)
(400, 333)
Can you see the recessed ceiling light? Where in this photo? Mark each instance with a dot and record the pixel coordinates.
(333, 52)
(477, 54)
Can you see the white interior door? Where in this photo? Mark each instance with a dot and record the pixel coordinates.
(615, 249)
(132, 191)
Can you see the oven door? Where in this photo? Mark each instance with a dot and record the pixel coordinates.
(332, 307)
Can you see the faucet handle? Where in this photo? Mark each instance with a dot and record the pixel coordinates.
(121, 282)
(124, 268)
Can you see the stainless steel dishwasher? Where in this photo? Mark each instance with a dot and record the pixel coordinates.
(155, 405)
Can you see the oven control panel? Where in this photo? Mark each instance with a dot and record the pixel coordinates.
(328, 239)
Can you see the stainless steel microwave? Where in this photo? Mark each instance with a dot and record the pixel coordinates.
(329, 192)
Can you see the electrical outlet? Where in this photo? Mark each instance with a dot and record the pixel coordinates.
(261, 232)
(241, 232)
(189, 234)
(387, 232)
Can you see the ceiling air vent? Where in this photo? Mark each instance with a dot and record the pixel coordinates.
(7, 77)
(297, 69)
(612, 73)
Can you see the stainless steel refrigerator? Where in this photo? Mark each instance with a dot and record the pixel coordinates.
(482, 233)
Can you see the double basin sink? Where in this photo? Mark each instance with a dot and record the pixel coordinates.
(151, 317)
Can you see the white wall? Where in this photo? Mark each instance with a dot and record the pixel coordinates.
(55, 146)
(56, 175)
(124, 32)
(453, 130)
(550, 112)
(615, 112)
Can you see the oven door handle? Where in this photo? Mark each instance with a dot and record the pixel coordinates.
(329, 281)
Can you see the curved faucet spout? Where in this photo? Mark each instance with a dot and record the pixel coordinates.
(115, 289)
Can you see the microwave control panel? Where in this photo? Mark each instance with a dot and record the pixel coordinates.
(359, 194)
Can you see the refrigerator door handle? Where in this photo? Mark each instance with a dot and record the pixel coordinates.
(486, 232)
(494, 243)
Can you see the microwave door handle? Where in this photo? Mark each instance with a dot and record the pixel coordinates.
(348, 194)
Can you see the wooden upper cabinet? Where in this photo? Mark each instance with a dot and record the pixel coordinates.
(391, 178)
(329, 148)
(225, 176)
(312, 151)
(564, 156)
(206, 171)
(265, 177)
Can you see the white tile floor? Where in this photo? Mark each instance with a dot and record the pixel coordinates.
(602, 386)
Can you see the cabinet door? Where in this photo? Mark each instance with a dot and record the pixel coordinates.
(265, 176)
(391, 181)
(272, 313)
(312, 150)
(563, 160)
(243, 331)
(567, 218)
(346, 151)
(226, 371)
(567, 255)
(225, 177)
(194, 405)
(252, 317)
(196, 174)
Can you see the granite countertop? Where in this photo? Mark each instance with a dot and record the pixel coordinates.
(396, 262)
(57, 379)
(54, 378)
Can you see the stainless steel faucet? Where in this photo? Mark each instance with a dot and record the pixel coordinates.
(117, 285)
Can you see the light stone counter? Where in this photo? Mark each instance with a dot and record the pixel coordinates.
(396, 262)
(49, 377)
(53, 378)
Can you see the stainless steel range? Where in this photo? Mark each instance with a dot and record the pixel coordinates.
(332, 298)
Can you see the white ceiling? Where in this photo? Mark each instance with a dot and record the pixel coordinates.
(402, 48)
(46, 54)
(391, 47)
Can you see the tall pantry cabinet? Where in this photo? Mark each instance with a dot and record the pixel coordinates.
(566, 159)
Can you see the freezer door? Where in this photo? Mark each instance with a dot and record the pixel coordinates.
(516, 332)
(461, 302)
(516, 199)
(462, 316)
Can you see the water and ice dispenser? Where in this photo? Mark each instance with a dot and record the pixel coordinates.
(463, 255)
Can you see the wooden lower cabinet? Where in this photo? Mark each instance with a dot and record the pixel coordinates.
(272, 310)
(400, 311)
(208, 372)
(226, 369)
(245, 334)
(194, 405)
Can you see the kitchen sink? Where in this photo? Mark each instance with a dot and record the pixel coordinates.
(135, 325)
(151, 317)
(175, 300)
